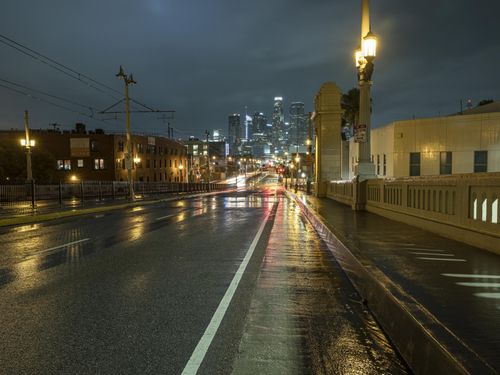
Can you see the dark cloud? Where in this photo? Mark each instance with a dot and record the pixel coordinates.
(206, 59)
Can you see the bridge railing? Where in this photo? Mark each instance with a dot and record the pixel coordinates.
(469, 202)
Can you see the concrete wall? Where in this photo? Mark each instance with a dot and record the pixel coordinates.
(327, 125)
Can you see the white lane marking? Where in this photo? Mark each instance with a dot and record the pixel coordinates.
(488, 295)
(435, 254)
(201, 349)
(61, 246)
(165, 217)
(423, 249)
(443, 259)
(481, 285)
(471, 276)
(99, 216)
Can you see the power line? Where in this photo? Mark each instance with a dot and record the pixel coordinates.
(69, 101)
(56, 65)
(50, 102)
(62, 68)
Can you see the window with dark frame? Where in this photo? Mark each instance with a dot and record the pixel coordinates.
(445, 162)
(480, 161)
(414, 163)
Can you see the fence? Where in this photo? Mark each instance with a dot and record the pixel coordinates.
(31, 194)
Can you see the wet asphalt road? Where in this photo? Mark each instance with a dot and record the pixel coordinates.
(132, 291)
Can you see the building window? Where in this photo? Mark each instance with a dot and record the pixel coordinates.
(93, 145)
(148, 163)
(385, 165)
(414, 163)
(79, 163)
(60, 165)
(480, 161)
(121, 146)
(176, 163)
(67, 165)
(98, 164)
(378, 164)
(154, 164)
(170, 163)
(445, 162)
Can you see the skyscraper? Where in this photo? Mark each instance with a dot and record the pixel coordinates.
(259, 122)
(278, 122)
(234, 132)
(298, 124)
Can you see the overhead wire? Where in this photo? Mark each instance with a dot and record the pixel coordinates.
(66, 70)
(51, 102)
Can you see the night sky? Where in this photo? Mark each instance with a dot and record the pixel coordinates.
(209, 58)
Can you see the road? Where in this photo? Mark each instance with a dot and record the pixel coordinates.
(162, 288)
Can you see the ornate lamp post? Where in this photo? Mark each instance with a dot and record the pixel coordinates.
(364, 64)
(128, 80)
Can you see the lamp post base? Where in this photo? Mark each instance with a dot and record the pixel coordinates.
(365, 171)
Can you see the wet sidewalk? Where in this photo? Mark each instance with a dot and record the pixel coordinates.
(305, 316)
(456, 285)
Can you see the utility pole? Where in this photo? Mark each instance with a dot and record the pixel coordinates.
(27, 143)
(207, 134)
(128, 80)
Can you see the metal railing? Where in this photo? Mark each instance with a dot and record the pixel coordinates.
(30, 195)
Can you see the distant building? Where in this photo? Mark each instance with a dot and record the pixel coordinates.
(468, 143)
(234, 133)
(278, 123)
(259, 124)
(205, 155)
(95, 156)
(298, 132)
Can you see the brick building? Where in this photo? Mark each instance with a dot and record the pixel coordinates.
(96, 156)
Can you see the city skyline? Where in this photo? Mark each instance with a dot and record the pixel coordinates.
(241, 65)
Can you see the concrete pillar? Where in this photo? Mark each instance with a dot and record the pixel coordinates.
(327, 119)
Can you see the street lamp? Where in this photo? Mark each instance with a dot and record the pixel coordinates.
(27, 143)
(128, 80)
(364, 64)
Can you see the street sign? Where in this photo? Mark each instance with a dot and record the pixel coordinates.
(360, 133)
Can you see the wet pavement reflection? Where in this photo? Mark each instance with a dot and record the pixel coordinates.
(305, 317)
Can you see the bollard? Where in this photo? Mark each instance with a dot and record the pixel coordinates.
(113, 194)
(60, 193)
(33, 204)
(82, 193)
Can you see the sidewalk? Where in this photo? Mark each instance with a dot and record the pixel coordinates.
(305, 317)
(438, 299)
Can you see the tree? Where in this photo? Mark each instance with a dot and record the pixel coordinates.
(350, 104)
(484, 102)
(13, 163)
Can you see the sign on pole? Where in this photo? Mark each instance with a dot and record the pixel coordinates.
(360, 133)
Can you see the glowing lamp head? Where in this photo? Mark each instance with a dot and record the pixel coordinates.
(369, 46)
(181, 167)
(308, 141)
(297, 159)
(73, 178)
(30, 143)
(137, 160)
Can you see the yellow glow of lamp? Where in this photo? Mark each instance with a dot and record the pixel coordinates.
(31, 143)
(297, 159)
(369, 45)
(181, 167)
(137, 160)
(358, 56)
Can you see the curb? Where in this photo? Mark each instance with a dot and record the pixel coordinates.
(31, 219)
(427, 346)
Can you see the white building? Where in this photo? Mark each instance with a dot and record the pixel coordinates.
(466, 143)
